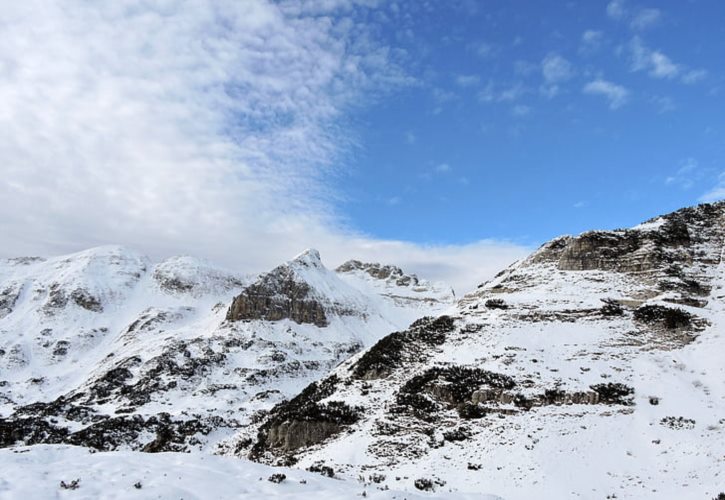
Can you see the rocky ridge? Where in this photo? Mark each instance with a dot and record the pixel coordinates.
(591, 347)
(108, 350)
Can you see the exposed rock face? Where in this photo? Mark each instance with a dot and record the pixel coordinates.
(8, 297)
(648, 247)
(275, 296)
(379, 271)
(558, 355)
(305, 420)
(302, 290)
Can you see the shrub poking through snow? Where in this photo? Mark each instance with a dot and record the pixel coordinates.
(614, 393)
(276, 478)
(611, 308)
(423, 484)
(496, 304)
(669, 317)
(73, 485)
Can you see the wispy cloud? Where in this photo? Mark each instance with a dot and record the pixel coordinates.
(686, 174)
(616, 9)
(555, 69)
(656, 63)
(645, 18)
(694, 76)
(717, 193)
(520, 110)
(638, 18)
(591, 41)
(616, 94)
(497, 93)
(467, 80)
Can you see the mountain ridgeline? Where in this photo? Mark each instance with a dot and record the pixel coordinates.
(591, 369)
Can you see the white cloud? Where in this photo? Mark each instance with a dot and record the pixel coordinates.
(520, 110)
(591, 40)
(556, 69)
(638, 18)
(207, 127)
(645, 18)
(686, 174)
(616, 9)
(616, 94)
(467, 80)
(717, 193)
(443, 168)
(483, 50)
(495, 93)
(464, 266)
(694, 76)
(657, 64)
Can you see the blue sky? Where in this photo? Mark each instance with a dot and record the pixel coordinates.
(531, 119)
(449, 137)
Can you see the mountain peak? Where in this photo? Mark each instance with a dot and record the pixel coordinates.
(309, 258)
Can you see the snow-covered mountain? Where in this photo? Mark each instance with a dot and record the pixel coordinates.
(592, 369)
(105, 349)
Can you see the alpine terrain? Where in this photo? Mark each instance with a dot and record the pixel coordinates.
(591, 369)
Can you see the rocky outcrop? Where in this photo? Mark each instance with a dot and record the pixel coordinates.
(275, 296)
(302, 290)
(305, 420)
(651, 246)
(378, 271)
(8, 298)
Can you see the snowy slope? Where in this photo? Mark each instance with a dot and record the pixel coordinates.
(37, 472)
(592, 369)
(106, 349)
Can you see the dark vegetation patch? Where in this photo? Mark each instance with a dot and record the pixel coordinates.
(391, 351)
(496, 304)
(678, 423)
(614, 393)
(454, 385)
(669, 317)
(321, 468)
(611, 308)
(276, 478)
(37, 424)
(73, 485)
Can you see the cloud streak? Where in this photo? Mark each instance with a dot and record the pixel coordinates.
(617, 95)
(204, 127)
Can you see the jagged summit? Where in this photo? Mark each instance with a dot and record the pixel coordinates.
(309, 258)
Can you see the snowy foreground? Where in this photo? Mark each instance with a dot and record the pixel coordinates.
(36, 472)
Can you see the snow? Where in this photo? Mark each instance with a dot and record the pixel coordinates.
(36, 472)
(567, 451)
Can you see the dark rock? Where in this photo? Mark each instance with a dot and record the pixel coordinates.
(85, 300)
(278, 295)
(304, 421)
(378, 271)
